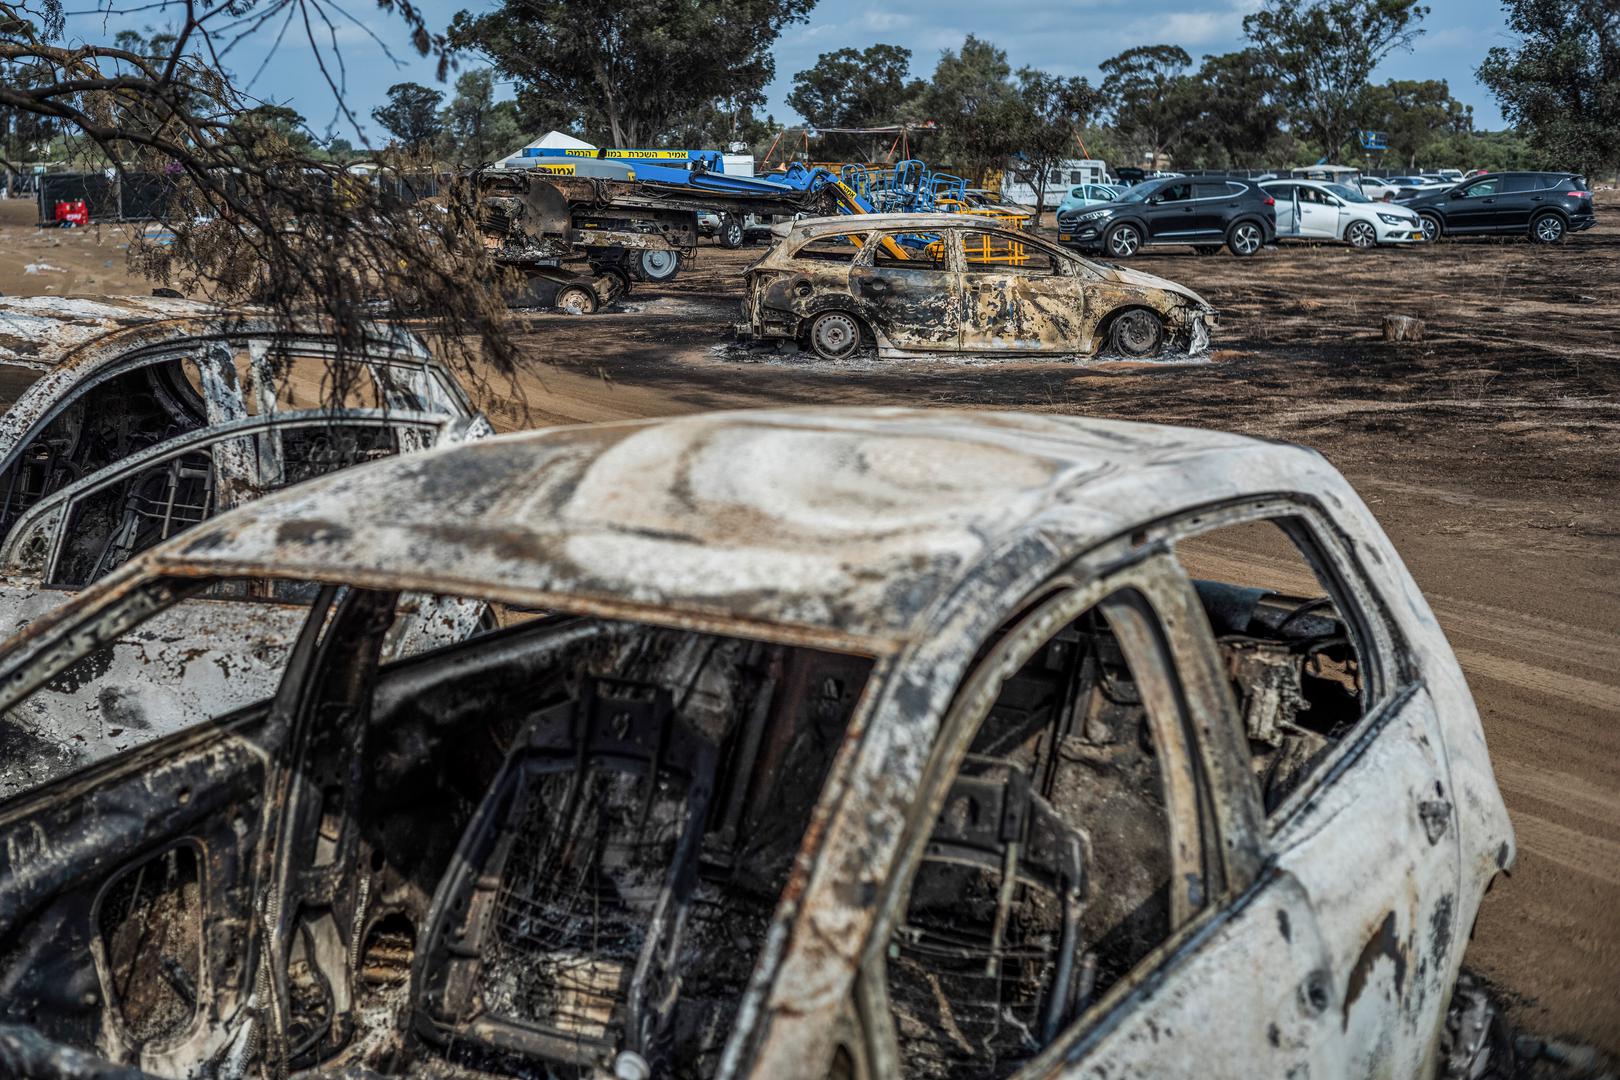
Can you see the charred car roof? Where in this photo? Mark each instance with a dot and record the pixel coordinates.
(849, 525)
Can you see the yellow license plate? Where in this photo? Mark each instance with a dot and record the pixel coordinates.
(1065, 236)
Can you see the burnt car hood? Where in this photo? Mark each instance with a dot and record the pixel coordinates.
(1152, 281)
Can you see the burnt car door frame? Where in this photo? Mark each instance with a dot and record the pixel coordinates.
(903, 302)
(1223, 902)
(1389, 913)
(1008, 296)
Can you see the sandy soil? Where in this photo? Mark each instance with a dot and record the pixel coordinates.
(1489, 452)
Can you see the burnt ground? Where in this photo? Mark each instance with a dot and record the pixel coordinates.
(1490, 453)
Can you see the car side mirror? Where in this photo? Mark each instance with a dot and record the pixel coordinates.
(1155, 200)
(1459, 195)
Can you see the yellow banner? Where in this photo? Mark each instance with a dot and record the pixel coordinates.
(579, 153)
(658, 155)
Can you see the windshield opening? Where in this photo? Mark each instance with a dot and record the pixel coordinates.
(1347, 193)
(1143, 192)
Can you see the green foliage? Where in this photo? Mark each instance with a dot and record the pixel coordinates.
(1155, 103)
(411, 115)
(850, 89)
(475, 129)
(1561, 83)
(974, 101)
(1239, 121)
(632, 71)
(1415, 115)
(1321, 54)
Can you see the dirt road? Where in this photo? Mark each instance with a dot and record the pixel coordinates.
(1490, 453)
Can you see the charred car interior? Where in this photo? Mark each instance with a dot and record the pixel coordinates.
(547, 846)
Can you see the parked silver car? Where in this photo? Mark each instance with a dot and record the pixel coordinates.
(857, 743)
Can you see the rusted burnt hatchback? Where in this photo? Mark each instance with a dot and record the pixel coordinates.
(144, 417)
(928, 283)
(851, 743)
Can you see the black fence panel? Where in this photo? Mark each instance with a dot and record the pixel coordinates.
(98, 192)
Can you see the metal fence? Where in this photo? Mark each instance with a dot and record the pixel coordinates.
(142, 196)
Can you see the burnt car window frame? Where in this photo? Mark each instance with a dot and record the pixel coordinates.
(1388, 675)
(950, 254)
(62, 503)
(860, 240)
(1153, 588)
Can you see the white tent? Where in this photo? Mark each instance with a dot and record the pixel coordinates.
(551, 140)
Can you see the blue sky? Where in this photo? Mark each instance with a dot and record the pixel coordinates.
(1068, 37)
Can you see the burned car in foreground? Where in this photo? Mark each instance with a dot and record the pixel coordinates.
(912, 748)
(145, 417)
(953, 283)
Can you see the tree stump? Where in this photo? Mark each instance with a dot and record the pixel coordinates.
(1402, 328)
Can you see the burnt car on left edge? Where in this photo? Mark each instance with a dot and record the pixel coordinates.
(947, 283)
(146, 416)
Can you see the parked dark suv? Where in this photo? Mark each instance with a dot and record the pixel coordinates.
(1203, 211)
(1544, 205)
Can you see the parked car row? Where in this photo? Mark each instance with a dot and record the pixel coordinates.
(1244, 215)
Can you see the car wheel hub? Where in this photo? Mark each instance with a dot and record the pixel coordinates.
(835, 335)
(1124, 242)
(1549, 228)
(1362, 235)
(659, 265)
(1137, 333)
(1247, 239)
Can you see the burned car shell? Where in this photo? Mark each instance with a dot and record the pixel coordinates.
(216, 426)
(1329, 941)
(963, 305)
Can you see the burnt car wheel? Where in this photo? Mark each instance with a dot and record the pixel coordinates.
(1361, 234)
(1432, 229)
(657, 266)
(1137, 332)
(1547, 229)
(1245, 238)
(575, 300)
(834, 335)
(731, 232)
(1124, 241)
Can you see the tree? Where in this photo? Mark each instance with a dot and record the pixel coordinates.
(1414, 115)
(1053, 111)
(1239, 122)
(1561, 83)
(1154, 101)
(476, 128)
(973, 100)
(632, 69)
(850, 89)
(411, 115)
(1322, 53)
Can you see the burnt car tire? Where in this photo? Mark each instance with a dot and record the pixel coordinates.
(575, 300)
(1208, 249)
(1244, 239)
(1433, 229)
(1123, 241)
(655, 266)
(834, 335)
(1548, 229)
(1361, 234)
(1136, 333)
(731, 233)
